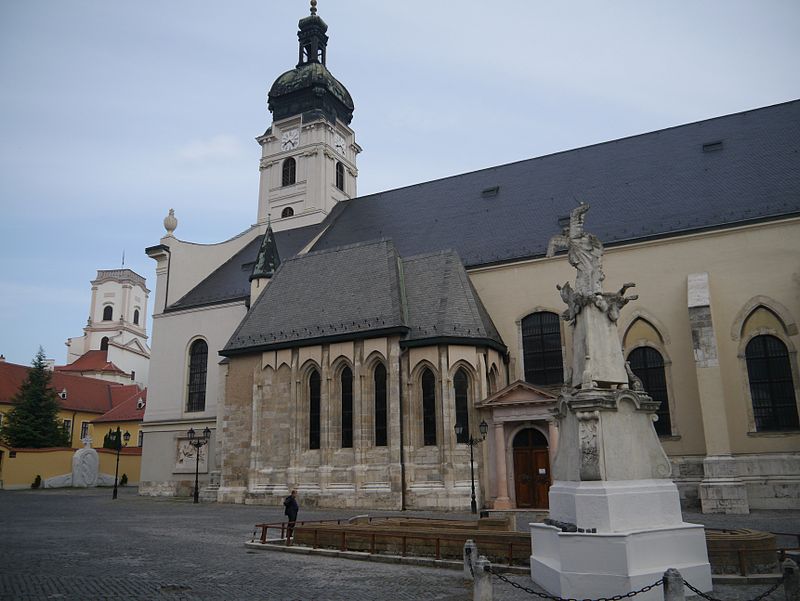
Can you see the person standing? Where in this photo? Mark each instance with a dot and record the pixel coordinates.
(291, 508)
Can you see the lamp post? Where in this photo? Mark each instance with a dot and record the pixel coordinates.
(472, 442)
(119, 438)
(197, 444)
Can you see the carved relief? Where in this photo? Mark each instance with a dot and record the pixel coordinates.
(587, 437)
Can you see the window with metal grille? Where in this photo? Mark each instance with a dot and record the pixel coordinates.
(313, 410)
(198, 368)
(347, 408)
(541, 348)
(140, 439)
(108, 313)
(379, 377)
(84, 430)
(428, 408)
(461, 383)
(648, 365)
(340, 175)
(771, 385)
(289, 172)
(287, 212)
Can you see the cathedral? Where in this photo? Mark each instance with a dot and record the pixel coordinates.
(365, 350)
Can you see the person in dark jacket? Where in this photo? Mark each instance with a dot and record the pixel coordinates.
(291, 509)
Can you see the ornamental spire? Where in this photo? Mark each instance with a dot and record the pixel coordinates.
(267, 260)
(313, 7)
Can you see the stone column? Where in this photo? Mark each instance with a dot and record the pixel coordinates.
(501, 475)
(721, 491)
(552, 431)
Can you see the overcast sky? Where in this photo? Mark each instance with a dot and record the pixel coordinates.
(112, 112)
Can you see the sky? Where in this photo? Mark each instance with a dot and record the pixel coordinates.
(113, 112)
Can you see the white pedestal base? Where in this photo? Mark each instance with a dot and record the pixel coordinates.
(588, 566)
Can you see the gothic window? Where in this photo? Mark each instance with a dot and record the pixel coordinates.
(287, 212)
(460, 383)
(541, 348)
(648, 365)
(771, 385)
(340, 175)
(136, 317)
(380, 405)
(108, 313)
(198, 368)
(104, 343)
(313, 410)
(428, 408)
(347, 408)
(289, 171)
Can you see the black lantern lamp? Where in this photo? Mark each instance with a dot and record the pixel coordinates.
(197, 443)
(120, 440)
(472, 442)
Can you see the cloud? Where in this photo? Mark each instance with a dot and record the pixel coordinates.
(216, 148)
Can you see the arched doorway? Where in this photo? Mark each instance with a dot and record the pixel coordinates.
(531, 469)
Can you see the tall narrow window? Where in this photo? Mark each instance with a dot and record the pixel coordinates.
(771, 385)
(313, 410)
(648, 365)
(380, 405)
(287, 212)
(340, 175)
(289, 172)
(462, 412)
(108, 313)
(541, 348)
(84, 430)
(347, 408)
(140, 439)
(104, 343)
(428, 408)
(136, 317)
(198, 368)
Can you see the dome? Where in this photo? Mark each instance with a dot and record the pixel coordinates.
(308, 87)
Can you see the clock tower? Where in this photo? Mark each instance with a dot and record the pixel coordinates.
(308, 155)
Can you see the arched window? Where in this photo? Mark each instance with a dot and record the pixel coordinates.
(771, 385)
(347, 408)
(108, 313)
(287, 212)
(289, 171)
(648, 365)
(104, 343)
(541, 348)
(428, 408)
(198, 368)
(313, 410)
(380, 405)
(136, 317)
(460, 383)
(340, 175)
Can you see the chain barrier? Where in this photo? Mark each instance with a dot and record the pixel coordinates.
(658, 582)
(763, 595)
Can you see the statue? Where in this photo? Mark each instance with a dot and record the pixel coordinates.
(584, 252)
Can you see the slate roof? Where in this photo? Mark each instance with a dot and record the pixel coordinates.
(365, 290)
(231, 280)
(651, 185)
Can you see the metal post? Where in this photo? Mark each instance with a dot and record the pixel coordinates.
(470, 554)
(482, 589)
(791, 580)
(116, 469)
(196, 473)
(472, 443)
(673, 586)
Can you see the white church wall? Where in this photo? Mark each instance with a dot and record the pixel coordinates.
(133, 362)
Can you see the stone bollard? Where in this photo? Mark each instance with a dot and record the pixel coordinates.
(791, 580)
(673, 586)
(482, 587)
(470, 555)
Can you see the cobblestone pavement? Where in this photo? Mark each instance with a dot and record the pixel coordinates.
(80, 545)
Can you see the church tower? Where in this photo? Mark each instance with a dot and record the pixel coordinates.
(308, 155)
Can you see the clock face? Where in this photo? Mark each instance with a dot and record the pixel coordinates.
(290, 139)
(338, 144)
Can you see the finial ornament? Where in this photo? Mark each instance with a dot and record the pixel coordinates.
(313, 7)
(170, 222)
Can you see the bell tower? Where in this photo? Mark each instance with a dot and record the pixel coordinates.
(308, 154)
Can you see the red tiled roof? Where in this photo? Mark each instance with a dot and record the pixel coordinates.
(126, 410)
(83, 394)
(92, 361)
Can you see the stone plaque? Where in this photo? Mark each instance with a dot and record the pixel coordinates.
(185, 458)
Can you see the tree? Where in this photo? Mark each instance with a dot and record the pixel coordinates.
(33, 422)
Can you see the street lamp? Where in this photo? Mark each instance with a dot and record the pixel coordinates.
(484, 428)
(119, 438)
(197, 443)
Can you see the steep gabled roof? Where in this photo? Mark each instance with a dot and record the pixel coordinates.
(130, 407)
(92, 361)
(721, 172)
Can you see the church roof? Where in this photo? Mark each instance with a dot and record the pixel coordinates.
(231, 280)
(96, 360)
(365, 290)
(721, 172)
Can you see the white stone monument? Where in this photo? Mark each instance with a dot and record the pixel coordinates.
(615, 521)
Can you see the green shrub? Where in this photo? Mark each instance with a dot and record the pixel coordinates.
(37, 482)
(124, 480)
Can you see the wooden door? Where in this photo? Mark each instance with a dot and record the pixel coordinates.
(523, 478)
(531, 470)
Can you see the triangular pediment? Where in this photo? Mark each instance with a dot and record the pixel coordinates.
(518, 393)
